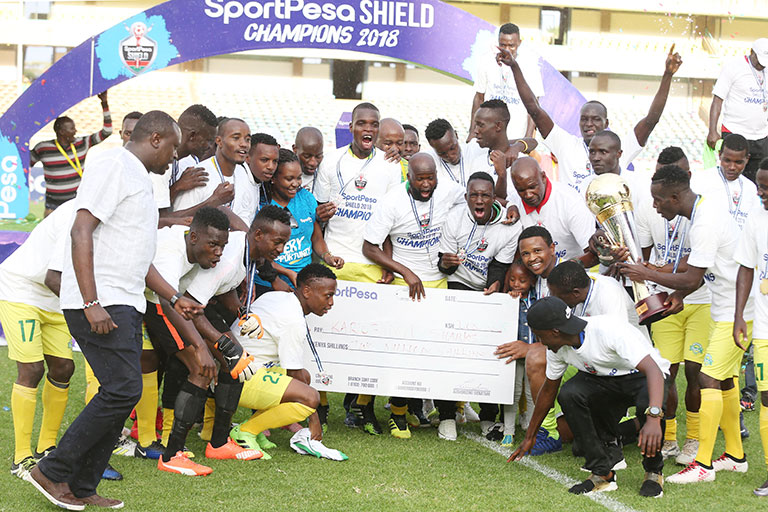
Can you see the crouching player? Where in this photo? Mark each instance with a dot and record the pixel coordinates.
(280, 391)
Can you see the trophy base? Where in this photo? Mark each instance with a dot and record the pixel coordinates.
(651, 308)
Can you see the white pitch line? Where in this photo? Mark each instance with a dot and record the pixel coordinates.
(602, 499)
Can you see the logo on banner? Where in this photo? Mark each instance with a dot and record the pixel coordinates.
(14, 192)
(138, 51)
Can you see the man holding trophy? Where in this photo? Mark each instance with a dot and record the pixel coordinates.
(713, 237)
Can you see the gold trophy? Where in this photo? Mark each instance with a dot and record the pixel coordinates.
(608, 197)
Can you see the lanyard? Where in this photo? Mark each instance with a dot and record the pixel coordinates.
(760, 83)
(314, 351)
(221, 175)
(76, 164)
(250, 274)
(175, 171)
(422, 226)
(368, 160)
(734, 212)
(461, 170)
(540, 279)
(472, 233)
(671, 238)
(585, 305)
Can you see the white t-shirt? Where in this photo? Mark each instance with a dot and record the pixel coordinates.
(285, 331)
(244, 205)
(607, 297)
(161, 183)
(308, 181)
(573, 155)
(461, 171)
(713, 238)
(227, 275)
(116, 189)
(744, 91)
(497, 82)
(738, 197)
(22, 274)
(171, 260)
(565, 215)
(752, 252)
(415, 242)
(339, 180)
(481, 244)
(611, 347)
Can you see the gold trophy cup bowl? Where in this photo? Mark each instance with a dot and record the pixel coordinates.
(609, 199)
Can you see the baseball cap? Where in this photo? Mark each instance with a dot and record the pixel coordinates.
(552, 313)
(760, 47)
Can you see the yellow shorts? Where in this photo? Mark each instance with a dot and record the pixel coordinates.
(723, 358)
(359, 272)
(265, 389)
(683, 336)
(32, 333)
(440, 283)
(146, 343)
(761, 364)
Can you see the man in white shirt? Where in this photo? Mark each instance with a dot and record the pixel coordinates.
(308, 146)
(391, 137)
(713, 238)
(570, 150)
(233, 141)
(617, 369)
(494, 81)
(412, 216)
(37, 334)
(682, 336)
(554, 206)
(113, 243)
(281, 391)
(752, 253)
(741, 94)
(353, 181)
(452, 157)
(726, 182)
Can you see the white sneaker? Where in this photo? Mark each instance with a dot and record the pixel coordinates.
(670, 449)
(447, 430)
(692, 474)
(688, 453)
(726, 463)
(125, 447)
(485, 427)
(470, 413)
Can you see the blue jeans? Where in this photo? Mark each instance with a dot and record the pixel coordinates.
(84, 450)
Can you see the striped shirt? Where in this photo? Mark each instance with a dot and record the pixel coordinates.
(61, 178)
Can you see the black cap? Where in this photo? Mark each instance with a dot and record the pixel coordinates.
(552, 313)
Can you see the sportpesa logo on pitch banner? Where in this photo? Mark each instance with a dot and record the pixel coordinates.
(367, 12)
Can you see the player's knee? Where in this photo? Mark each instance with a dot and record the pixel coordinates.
(149, 361)
(30, 374)
(310, 397)
(535, 362)
(62, 370)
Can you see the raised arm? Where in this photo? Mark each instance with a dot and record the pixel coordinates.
(646, 125)
(540, 117)
(106, 130)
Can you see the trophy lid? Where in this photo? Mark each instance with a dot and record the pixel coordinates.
(608, 191)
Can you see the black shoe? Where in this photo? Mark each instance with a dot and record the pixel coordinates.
(744, 429)
(352, 421)
(595, 484)
(653, 486)
(322, 413)
(495, 433)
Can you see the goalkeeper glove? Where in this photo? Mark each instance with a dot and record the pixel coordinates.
(250, 325)
(240, 364)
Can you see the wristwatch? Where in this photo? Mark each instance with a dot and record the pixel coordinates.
(653, 412)
(175, 298)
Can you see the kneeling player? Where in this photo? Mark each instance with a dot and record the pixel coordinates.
(280, 390)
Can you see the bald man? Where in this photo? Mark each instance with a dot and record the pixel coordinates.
(308, 146)
(391, 138)
(553, 205)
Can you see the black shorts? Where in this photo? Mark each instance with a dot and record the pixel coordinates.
(165, 339)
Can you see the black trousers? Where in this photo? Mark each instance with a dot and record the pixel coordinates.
(84, 450)
(594, 405)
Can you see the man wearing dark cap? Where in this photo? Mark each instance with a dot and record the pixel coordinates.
(617, 369)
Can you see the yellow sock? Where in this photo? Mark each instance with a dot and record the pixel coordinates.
(55, 396)
(398, 410)
(283, 414)
(363, 399)
(210, 413)
(460, 407)
(23, 402)
(91, 383)
(729, 423)
(146, 409)
(323, 398)
(670, 432)
(764, 431)
(692, 425)
(710, 412)
(167, 425)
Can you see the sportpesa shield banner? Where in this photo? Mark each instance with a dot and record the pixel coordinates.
(429, 33)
